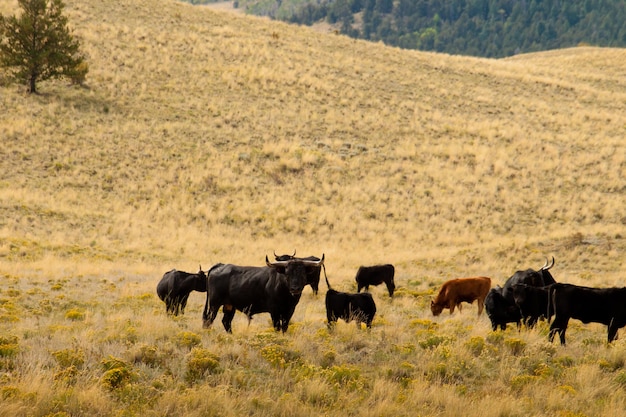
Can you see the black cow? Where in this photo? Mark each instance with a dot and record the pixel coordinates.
(541, 278)
(175, 286)
(376, 275)
(597, 305)
(359, 307)
(500, 310)
(312, 272)
(532, 303)
(275, 289)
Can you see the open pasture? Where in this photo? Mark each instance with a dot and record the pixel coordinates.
(204, 136)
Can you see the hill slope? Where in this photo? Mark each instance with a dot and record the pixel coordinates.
(210, 133)
(209, 137)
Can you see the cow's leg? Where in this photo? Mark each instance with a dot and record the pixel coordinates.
(183, 304)
(558, 325)
(284, 323)
(481, 304)
(209, 318)
(275, 320)
(452, 305)
(612, 329)
(227, 319)
(331, 318)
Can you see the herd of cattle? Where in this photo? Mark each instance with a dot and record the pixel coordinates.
(525, 297)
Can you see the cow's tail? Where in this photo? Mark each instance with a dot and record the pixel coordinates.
(326, 276)
(551, 296)
(205, 313)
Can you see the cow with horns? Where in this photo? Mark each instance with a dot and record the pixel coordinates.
(275, 288)
(175, 287)
(312, 272)
(540, 278)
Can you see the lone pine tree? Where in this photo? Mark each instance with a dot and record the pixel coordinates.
(38, 45)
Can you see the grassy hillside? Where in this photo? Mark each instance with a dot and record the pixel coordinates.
(204, 136)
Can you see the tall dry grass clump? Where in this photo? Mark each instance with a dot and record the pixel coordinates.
(202, 137)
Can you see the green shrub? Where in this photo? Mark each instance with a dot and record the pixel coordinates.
(9, 391)
(75, 314)
(8, 346)
(117, 373)
(69, 357)
(188, 339)
(328, 358)
(201, 362)
(475, 345)
(116, 378)
(432, 341)
(280, 356)
(516, 346)
(344, 376)
(150, 355)
(67, 376)
(520, 381)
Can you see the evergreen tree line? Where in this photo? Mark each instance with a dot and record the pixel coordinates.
(487, 28)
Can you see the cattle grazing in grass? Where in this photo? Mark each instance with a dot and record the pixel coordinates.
(598, 305)
(175, 287)
(533, 303)
(500, 311)
(359, 307)
(312, 271)
(275, 289)
(461, 290)
(376, 275)
(540, 278)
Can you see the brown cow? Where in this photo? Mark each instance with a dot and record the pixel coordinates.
(459, 290)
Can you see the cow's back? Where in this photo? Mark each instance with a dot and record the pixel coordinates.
(459, 289)
(240, 286)
(528, 277)
(375, 274)
(587, 304)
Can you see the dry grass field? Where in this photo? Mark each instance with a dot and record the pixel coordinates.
(204, 136)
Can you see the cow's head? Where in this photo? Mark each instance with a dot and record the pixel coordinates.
(285, 257)
(391, 286)
(295, 272)
(200, 281)
(436, 308)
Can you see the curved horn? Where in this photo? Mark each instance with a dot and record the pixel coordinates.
(274, 264)
(551, 265)
(294, 253)
(200, 267)
(544, 265)
(315, 263)
(275, 256)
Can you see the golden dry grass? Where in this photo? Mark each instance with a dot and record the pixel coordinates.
(206, 136)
